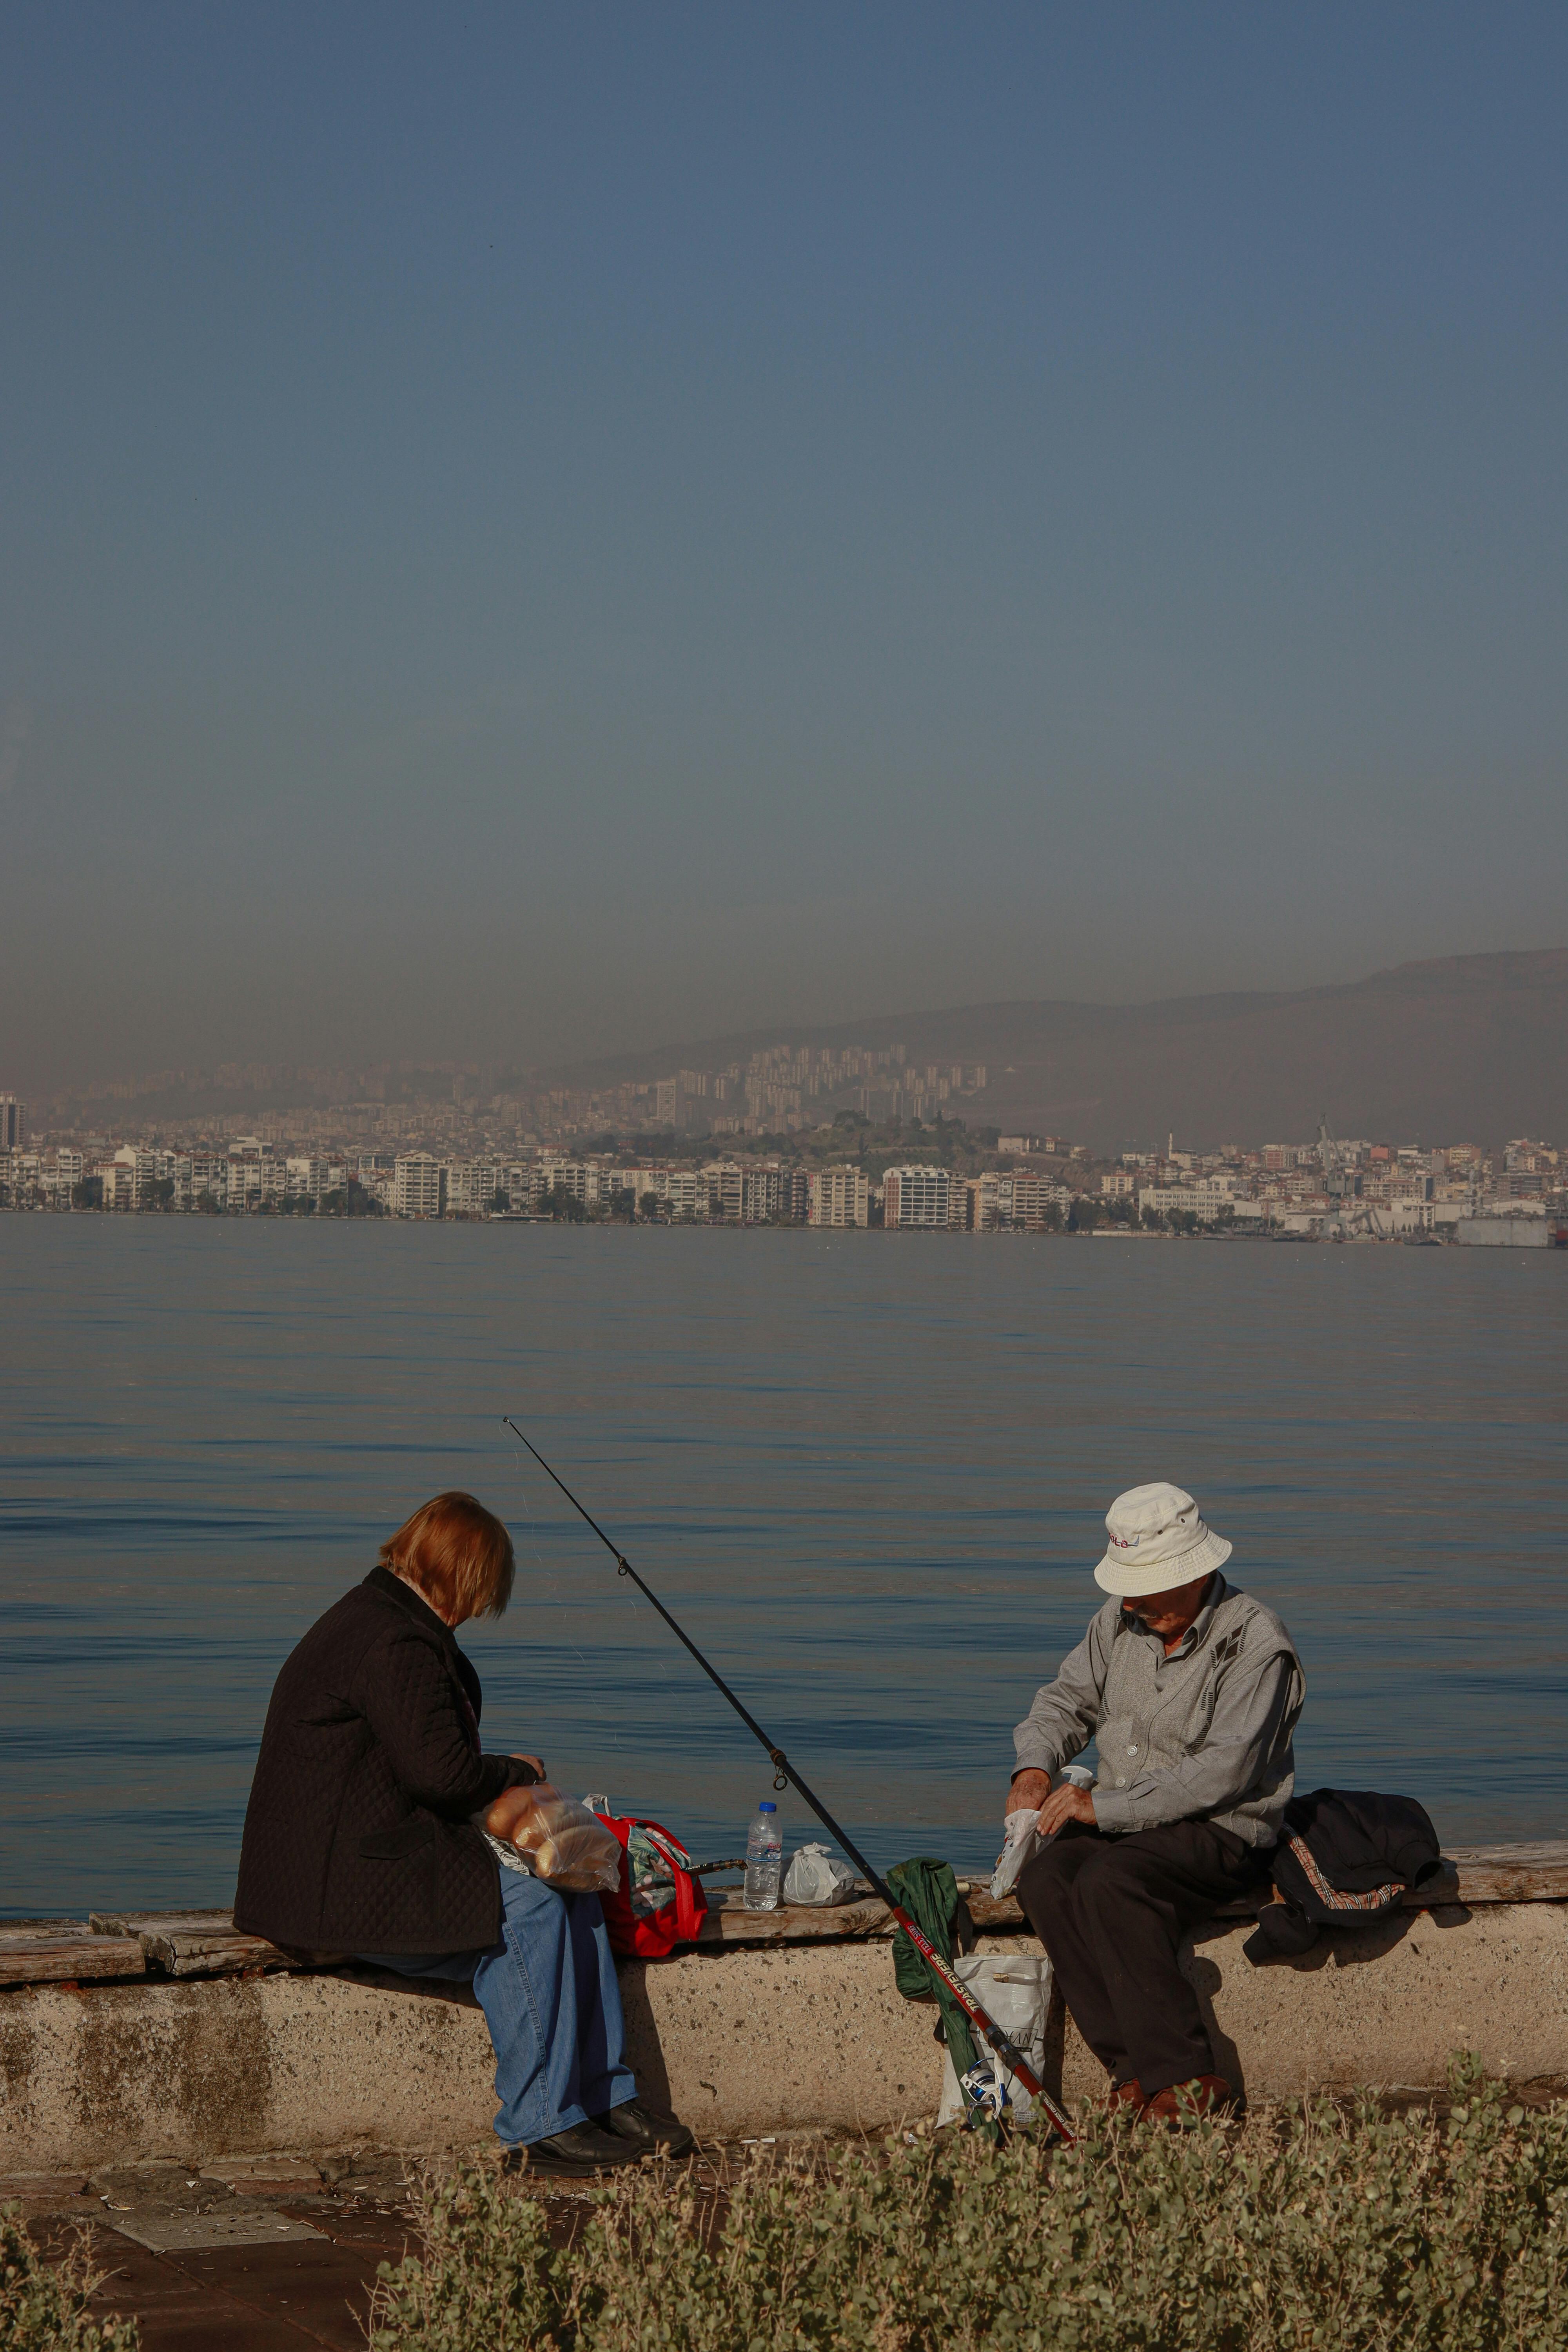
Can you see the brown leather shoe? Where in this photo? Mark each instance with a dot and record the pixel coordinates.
(1125, 2095)
(1203, 2095)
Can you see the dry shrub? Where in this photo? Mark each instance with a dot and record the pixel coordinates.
(1307, 2229)
(43, 2307)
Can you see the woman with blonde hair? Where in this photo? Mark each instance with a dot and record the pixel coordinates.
(360, 1838)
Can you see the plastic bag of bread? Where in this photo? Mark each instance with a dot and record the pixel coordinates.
(561, 1841)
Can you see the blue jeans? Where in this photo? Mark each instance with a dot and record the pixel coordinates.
(550, 1998)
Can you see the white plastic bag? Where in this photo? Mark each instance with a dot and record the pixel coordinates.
(1021, 1836)
(814, 1876)
(1015, 1992)
(556, 1838)
(1021, 1843)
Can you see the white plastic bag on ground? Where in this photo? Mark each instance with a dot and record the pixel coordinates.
(1016, 1992)
(814, 1876)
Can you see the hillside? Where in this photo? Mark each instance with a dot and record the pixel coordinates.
(1466, 1046)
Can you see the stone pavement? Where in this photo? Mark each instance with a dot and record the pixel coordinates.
(262, 2253)
(265, 2255)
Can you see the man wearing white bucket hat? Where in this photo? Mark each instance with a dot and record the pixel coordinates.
(1191, 1691)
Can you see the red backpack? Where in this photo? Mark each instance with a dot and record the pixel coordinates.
(659, 1904)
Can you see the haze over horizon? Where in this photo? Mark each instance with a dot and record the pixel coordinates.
(555, 533)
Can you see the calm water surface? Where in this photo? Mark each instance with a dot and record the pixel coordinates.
(868, 1472)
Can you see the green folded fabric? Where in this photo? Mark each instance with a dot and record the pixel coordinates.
(928, 1893)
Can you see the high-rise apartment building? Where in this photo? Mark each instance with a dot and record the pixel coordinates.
(838, 1196)
(922, 1196)
(418, 1186)
(13, 1123)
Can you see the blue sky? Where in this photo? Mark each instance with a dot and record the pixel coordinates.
(535, 529)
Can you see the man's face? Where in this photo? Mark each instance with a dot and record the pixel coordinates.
(1169, 1613)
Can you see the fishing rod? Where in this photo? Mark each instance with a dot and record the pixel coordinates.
(785, 1775)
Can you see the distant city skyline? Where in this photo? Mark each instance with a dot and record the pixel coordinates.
(535, 533)
(833, 1168)
(1473, 1044)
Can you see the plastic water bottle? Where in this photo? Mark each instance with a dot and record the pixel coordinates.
(764, 1859)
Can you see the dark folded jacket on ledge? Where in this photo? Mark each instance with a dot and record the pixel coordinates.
(1345, 1855)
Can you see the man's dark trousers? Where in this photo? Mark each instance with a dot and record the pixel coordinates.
(1111, 1912)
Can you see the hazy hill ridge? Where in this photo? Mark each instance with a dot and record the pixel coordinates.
(1465, 1046)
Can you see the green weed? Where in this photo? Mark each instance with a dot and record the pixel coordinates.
(1309, 2228)
(44, 2308)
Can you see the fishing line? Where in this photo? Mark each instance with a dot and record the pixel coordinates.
(552, 1589)
(785, 1776)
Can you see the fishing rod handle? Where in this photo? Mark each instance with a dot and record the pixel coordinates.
(1012, 2057)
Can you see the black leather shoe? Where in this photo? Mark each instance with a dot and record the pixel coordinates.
(643, 2131)
(574, 2154)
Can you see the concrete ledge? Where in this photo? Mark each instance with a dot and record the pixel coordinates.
(1385, 2004)
(739, 2042)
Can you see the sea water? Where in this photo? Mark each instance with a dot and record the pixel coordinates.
(867, 1472)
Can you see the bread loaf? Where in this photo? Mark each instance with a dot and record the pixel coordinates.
(566, 1845)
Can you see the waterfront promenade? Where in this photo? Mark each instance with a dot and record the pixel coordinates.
(239, 2128)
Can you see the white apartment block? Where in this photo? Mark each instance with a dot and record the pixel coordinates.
(726, 1191)
(418, 1186)
(209, 1177)
(754, 1195)
(686, 1193)
(471, 1186)
(924, 1197)
(565, 1176)
(1013, 1199)
(253, 1182)
(838, 1196)
(767, 1194)
(307, 1179)
(1032, 1196)
(118, 1179)
(683, 1191)
(1204, 1200)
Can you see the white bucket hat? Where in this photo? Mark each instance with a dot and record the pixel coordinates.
(1157, 1540)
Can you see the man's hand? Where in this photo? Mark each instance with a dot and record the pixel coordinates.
(1068, 1804)
(536, 1762)
(1029, 1792)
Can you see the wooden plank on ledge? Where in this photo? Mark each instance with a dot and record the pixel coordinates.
(1497, 1876)
(194, 1943)
(990, 1912)
(183, 1944)
(727, 1921)
(66, 1951)
(865, 1914)
(1471, 1875)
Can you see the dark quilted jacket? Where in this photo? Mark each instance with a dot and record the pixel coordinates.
(356, 1836)
(1343, 1857)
